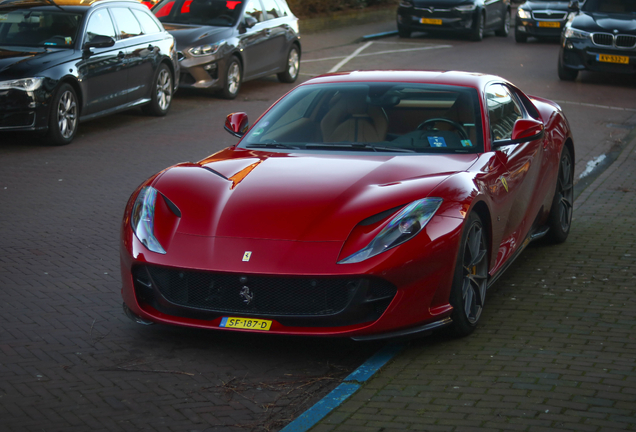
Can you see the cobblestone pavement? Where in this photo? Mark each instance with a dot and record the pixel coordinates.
(556, 344)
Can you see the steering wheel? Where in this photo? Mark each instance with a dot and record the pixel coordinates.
(459, 127)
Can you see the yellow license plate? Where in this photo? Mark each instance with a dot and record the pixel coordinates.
(606, 58)
(550, 24)
(433, 21)
(245, 323)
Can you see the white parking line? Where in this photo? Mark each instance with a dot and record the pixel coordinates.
(353, 55)
(595, 106)
(357, 54)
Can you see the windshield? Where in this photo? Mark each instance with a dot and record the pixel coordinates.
(610, 6)
(38, 28)
(222, 13)
(386, 117)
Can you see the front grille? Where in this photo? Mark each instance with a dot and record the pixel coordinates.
(206, 295)
(545, 15)
(18, 119)
(626, 41)
(603, 39)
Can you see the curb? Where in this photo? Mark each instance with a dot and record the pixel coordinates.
(346, 19)
(348, 387)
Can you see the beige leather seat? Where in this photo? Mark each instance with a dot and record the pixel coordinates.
(462, 112)
(351, 119)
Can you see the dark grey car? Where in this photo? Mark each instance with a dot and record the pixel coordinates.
(223, 43)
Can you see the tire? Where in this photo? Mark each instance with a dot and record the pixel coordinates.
(477, 34)
(233, 79)
(560, 218)
(162, 89)
(520, 37)
(566, 74)
(292, 66)
(468, 293)
(505, 28)
(403, 32)
(64, 116)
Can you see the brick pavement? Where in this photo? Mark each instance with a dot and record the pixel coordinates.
(555, 348)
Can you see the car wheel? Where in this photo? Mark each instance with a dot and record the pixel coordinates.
(566, 74)
(64, 116)
(161, 93)
(403, 32)
(233, 79)
(292, 67)
(520, 37)
(505, 28)
(560, 218)
(478, 29)
(468, 292)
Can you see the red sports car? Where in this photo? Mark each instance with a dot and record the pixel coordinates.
(363, 204)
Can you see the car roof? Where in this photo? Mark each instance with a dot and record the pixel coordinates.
(466, 79)
(70, 5)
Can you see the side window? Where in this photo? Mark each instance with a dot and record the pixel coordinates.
(503, 110)
(99, 24)
(254, 10)
(272, 9)
(149, 25)
(126, 23)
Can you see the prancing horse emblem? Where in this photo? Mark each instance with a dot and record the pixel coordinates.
(247, 295)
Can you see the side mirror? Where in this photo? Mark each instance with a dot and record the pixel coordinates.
(574, 6)
(523, 130)
(99, 41)
(237, 124)
(250, 22)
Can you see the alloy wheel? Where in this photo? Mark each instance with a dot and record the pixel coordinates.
(164, 89)
(475, 273)
(233, 78)
(565, 193)
(293, 63)
(67, 114)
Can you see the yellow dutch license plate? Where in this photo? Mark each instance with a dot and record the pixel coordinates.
(433, 21)
(607, 58)
(245, 323)
(550, 24)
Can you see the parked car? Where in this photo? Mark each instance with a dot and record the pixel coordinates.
(364, 204)
(471, 17)
(600, 36)
(67, 63)
(223, 43)
(541, 19)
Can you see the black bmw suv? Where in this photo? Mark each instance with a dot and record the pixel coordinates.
(600, 35)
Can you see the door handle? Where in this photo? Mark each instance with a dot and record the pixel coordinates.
(121, 55)
(151, 47)
(268, 32)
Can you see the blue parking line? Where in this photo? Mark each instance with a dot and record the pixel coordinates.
(351, 384)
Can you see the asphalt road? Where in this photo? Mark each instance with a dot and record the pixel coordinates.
(70, 360)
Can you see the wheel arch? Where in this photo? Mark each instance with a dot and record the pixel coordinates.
(72, 81)
(481, 209)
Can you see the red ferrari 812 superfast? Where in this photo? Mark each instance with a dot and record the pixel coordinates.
(363, 204)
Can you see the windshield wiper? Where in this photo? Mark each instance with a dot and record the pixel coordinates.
(54, 4)
(356, 146)
(272, 145)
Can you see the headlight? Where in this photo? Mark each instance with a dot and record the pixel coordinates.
(466, 8)
(28, 84)
(143, 219)
(575, 33)
(403, 227)
(204, 50)
(524, 14)
(406, 3)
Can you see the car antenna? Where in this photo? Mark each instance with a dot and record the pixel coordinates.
(54, 4)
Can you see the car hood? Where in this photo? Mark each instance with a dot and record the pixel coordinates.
(298, 197)
(19, 62)
(545, 5)
(596, 21)
(192, 35)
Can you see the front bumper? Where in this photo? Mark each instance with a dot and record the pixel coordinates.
(449, 20)
(298, 286)
(22, 110)
(204, 72)
(543, 28)
(582, 54)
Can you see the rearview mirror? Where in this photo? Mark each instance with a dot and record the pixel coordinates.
(237, 124)
(250, 22)
(574, 6)
(99, 41)
(523, 130)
